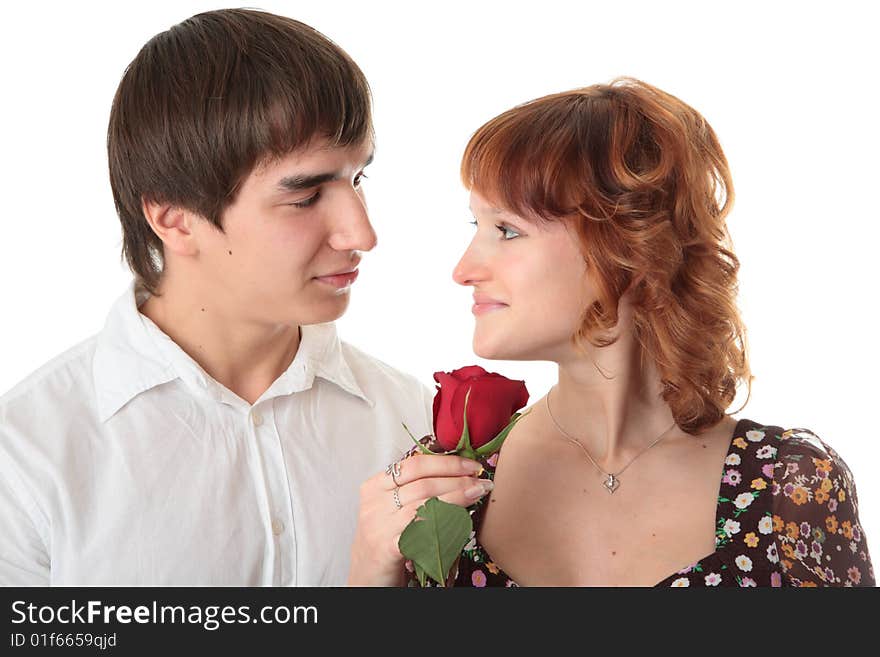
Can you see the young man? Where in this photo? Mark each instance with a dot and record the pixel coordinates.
(216, 432)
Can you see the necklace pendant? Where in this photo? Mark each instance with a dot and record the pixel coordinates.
(611, 483)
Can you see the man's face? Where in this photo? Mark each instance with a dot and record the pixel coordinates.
(290, 247)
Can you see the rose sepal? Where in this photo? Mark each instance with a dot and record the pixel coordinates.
(495, 444)
(464, 447)
(421, 447)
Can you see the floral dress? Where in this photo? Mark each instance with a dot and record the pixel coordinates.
(787, 515)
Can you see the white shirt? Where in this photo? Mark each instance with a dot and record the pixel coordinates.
(122, 462)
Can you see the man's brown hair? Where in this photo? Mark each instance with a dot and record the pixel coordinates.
(206, 101)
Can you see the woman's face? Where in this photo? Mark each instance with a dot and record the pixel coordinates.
(530, 285)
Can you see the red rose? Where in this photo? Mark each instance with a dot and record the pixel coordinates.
(492, 402)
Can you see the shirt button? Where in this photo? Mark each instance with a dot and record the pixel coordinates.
(257, 419)
(277, 527)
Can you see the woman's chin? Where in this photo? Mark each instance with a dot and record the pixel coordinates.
(490, 351)
(482, 349)
(495, 347)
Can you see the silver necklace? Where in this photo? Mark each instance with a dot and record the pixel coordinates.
(612, 480)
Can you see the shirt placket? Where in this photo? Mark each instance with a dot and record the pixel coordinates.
(280, 526)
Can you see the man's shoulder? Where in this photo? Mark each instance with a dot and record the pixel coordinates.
(67, 375)
(377, 374)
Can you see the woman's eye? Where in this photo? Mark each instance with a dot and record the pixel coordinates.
(507, 232)
(308, 202)
(359, 178)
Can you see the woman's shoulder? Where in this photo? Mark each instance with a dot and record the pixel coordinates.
(814, 512)
(812, 454)
(793, 444)
(803, 442)
(796, 457)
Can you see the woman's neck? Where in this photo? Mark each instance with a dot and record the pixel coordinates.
(609, 400)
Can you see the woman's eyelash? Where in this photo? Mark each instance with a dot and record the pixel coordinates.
(509, 233)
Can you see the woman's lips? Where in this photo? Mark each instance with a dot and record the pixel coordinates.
(339, 280)
(487, 307)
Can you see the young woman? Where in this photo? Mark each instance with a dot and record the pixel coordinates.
(601, 245)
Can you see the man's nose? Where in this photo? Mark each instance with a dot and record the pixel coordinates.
(352, 228)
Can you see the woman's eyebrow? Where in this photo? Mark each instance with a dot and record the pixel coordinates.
(491, 210)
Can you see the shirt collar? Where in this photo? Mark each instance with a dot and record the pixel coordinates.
(320, 354)
(126, 362)
(133, 355)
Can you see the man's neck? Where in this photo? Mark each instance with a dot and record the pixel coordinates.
(243, 355)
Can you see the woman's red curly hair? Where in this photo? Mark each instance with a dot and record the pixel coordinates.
(643, 179)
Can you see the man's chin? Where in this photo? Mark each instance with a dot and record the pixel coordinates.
(329, 312)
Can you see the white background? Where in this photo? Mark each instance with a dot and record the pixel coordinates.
(789, 88)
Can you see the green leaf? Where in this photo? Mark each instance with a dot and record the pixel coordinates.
(435, 538)
(421, 574)
(495, 444)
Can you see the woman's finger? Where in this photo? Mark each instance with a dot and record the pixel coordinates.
(423, 466)
(463, 496)
(422, 489)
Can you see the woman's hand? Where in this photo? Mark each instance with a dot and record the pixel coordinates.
(375, 558)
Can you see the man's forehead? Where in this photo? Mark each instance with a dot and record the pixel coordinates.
(317, 156)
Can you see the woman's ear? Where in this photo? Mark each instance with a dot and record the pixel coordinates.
(173, 225)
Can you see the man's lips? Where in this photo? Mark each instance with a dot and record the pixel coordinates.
(340, 279)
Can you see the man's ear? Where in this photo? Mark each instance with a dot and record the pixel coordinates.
(173, 225)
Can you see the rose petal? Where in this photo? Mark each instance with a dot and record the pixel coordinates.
(469, 372)
(493, 400)
(446, 429)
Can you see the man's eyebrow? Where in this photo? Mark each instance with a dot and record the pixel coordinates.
(298, 183)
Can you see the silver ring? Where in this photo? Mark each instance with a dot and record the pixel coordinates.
(396, 494)
(394, 471)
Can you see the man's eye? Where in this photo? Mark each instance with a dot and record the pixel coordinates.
(508, 232)
(308, 202)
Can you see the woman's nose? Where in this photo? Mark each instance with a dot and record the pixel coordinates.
(471, 268)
